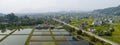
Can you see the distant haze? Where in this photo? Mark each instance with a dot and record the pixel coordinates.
(26, 6)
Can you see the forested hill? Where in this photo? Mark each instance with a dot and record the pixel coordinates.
(109, 11)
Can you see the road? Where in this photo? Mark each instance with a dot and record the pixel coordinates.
(89, 33)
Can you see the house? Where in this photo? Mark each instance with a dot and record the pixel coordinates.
(41, 26)
(97, 22)
(45, 25)
(110, 21)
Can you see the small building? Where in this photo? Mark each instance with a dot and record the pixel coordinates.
(44, 26)
(83, 24)
(110, 21)
(41, 26)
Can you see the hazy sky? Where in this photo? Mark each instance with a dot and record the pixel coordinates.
(7, 6)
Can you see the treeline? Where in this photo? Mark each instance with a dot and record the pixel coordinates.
(12, 21)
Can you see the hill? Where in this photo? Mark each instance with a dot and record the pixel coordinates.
(109, 11)
(2, 14)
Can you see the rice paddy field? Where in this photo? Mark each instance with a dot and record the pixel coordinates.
(39, 37)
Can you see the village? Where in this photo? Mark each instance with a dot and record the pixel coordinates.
(104, 26)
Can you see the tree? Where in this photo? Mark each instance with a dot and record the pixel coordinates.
(2, 27)
(11, 17)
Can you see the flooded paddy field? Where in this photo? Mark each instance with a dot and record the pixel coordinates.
(40, 37)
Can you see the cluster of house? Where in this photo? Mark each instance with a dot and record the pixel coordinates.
(93, 30)
(102, 21)
(95, 22)
(99, 22)
(45, 25)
